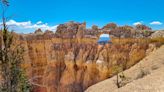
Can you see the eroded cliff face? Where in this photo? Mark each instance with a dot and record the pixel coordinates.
(71, 60)
(62, 65)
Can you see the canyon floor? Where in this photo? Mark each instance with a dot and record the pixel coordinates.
(145, 76)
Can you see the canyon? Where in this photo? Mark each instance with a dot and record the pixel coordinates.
(72, 67)
(71, 60)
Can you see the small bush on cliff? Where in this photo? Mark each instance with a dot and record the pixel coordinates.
(142, 73)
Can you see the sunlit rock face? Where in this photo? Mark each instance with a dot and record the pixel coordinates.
(68, 61)
(58, 70)
(65, 66)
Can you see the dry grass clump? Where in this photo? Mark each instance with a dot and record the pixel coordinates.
(135, 56)
(159, 39)
(137, 40)
(74, 40)
(127, 40)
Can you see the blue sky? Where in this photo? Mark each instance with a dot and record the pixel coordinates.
(49, 13)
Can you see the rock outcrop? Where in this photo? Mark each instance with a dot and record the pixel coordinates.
(157, 34)
(70, 29)
(38, 32)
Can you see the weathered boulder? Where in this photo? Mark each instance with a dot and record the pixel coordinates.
(38, 32)
(157, 34)
(70, 29)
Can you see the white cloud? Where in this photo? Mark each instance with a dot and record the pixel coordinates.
(28, 25)
(137, 23)
(39, 22)
(156, 23)
(104, 35)
(14, 23)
